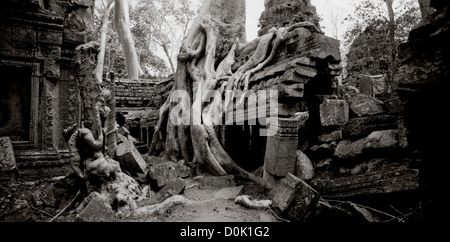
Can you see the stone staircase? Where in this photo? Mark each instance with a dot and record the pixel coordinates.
(34, 164)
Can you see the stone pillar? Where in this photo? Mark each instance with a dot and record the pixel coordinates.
(281, 149)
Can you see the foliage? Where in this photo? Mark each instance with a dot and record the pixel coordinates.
(153, 22)
(367, 39)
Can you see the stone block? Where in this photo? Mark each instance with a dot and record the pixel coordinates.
(349, 148)
(8, 166)
(163, 174)
(333, 136)
(334, 112)
(295, 197)
(304, 203)
(173, 188)
(281, 154)
(285, 192)
(360, 127)
(381, 139)
(388, 180)
(229, 193)
(363, 105)
(304, 168)
(376, 140)
(97, 210)
(130, 159)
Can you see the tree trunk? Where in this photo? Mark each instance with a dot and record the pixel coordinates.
(103, 37)
(391, 44)
(215, 40)
(122, 19)
(166, 51)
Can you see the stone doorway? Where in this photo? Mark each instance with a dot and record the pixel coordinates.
(15, 102)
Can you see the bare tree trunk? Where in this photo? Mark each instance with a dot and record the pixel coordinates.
(122, 19)
(166, 51)
(391, 44)
(103, 37)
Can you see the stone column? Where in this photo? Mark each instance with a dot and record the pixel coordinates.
(281, 149)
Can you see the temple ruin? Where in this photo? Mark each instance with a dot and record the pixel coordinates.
(332, 142)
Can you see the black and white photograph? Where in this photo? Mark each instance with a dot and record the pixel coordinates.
(223, 119)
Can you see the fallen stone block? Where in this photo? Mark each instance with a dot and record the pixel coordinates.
(388, 180)
(363, 105)
(360, 127)
(229, 193)
(304, 168)
(382, 139)
(295, 198)
(97, 210)
(8, 166)
(130, 159)
(163, 174)
(285, 192)
(333, 136)
(376, 140)
(304, 204)
(173, 188)
(349, 148)
(334, 112)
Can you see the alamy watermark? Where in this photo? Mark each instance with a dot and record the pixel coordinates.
(209, 107)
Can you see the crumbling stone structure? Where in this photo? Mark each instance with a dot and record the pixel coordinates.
(40, 96)
(423, 83)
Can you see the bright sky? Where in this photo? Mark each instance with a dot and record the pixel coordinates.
(324, 9)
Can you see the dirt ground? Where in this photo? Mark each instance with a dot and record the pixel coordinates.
(41, 201)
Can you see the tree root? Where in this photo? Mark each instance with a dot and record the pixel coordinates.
(161, 208)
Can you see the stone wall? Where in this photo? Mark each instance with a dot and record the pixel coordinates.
(423, 79)
(281, 13)
(41, 36)
(141, 93)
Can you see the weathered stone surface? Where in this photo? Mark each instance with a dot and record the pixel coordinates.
(381, 139)
(376, 140)
(215, 181)
(304, 203)
(295, 197)
(360, 127)
(8, 166)
(97, 210)
(173, 188)
(304, 168)
(280, 155)
(333, 136)
(182, 170)
(130, 159)
(163, 174)
(379, 182)
(334, 112)
(363, 105)
(285, 192)
(229, 193)
(279, 15)
(349, 148)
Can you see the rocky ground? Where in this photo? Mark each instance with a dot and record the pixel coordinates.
(41, 201)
